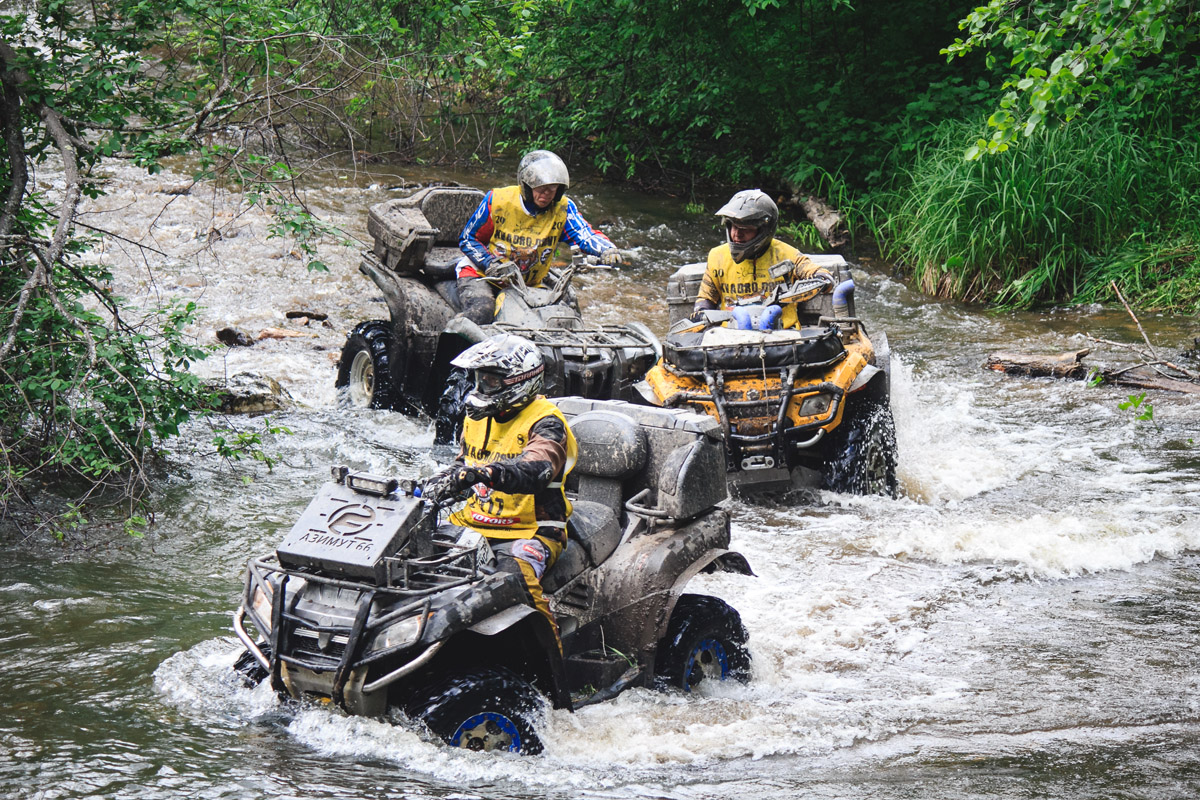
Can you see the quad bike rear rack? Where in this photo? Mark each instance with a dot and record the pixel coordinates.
(589, 354)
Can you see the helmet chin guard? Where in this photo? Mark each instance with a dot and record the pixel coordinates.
(508, 371)
(750, 208)
(542, 168)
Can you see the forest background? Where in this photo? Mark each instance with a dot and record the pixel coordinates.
(1020, 153)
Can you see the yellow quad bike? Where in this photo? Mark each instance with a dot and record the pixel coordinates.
(800, 389)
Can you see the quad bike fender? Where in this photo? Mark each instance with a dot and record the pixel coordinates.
(497, 624)
(474, 604)
(412, 304)
(640, 580)
(864, 377)
(715, 560)
(871, 381)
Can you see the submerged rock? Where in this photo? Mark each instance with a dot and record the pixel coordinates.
(234, 337)
(250, 393)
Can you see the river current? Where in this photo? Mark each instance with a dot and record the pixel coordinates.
(1023, 622)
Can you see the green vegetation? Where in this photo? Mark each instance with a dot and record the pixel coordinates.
(1087, 178)
(90, 388)
(1072, 210)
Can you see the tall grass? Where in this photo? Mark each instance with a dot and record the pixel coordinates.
(1054, 220)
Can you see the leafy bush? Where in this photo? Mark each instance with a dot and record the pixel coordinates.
(86, 394)
(1057, 219)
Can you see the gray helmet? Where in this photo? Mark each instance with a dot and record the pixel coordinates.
(751, 208)
(539, 168)
(508, 375)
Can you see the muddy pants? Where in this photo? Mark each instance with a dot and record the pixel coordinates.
(530, 558)
(478, 300)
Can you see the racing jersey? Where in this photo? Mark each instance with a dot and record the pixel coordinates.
(503, 227)
(527, 495)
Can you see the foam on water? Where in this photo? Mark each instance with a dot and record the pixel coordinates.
(879, 629)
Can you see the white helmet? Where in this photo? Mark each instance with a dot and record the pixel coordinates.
(508, 375)
(541, 168)
(750, 208)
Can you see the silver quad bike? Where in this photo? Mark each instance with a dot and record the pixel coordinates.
(404, 363)
(365, 605)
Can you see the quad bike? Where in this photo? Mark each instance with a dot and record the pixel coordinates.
(366, 605)
(805, 405)
(404, 363)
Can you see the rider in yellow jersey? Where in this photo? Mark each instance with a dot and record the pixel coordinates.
(741, 268)
(520, 227)
(515, 454)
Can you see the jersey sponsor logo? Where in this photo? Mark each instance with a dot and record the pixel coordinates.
(751, 287)
(485, 519)
(484, 456)
(525, 242)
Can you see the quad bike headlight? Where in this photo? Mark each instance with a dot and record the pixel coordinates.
(397, 635)
(815, 405)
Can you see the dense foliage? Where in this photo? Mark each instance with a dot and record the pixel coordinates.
(1071, 210)
(740, 91)
(1089, 172)
(88, 387)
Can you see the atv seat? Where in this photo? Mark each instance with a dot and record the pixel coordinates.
(611, 448)
(592, 535)
(664, 463)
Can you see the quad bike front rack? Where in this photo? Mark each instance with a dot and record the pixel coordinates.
(764, 450)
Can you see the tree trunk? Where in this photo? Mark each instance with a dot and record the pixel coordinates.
(1066, 365)
(1070, 365)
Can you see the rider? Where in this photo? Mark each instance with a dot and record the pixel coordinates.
(520, 226)
(515, 453)
(741, 268)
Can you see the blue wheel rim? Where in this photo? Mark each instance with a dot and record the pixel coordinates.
(487, 731)
(708, 660)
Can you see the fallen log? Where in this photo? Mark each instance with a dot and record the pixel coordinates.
(283, 333)
(1070, 366)
(1142, 378)
(828, 222)
(1065, 365)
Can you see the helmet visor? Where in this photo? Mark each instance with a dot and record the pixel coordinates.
(488, 383)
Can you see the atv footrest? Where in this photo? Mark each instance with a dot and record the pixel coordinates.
(594, 671)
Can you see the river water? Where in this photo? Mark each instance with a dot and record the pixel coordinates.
(1023, 622)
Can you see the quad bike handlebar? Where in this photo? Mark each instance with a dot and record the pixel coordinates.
(513, 279)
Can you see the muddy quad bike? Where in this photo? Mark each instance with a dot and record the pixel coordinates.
(801, 406)
(366, 605)
(404, 363)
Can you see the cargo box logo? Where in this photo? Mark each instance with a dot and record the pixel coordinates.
(351, 519)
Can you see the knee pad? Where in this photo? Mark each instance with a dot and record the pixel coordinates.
(533, 553)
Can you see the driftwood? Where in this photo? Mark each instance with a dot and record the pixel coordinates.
(1070, 366)
(1140, 377)
(1065, 365)
(828, 222)
(283, 333)
(1152, 373)
(825, 218)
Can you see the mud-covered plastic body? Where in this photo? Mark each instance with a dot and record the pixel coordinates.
(413, 264)
(363, 604)
(780, 394)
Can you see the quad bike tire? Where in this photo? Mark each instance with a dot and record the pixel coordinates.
(862, 450)
(705, 641)
(481, 709)
(364, 377)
